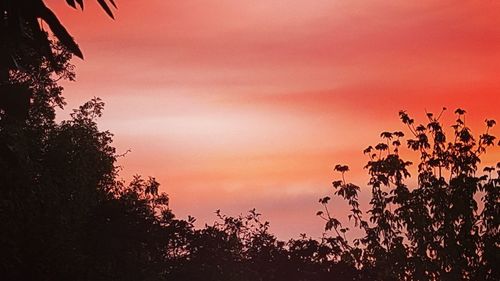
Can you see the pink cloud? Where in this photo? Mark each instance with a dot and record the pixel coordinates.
(244, 103)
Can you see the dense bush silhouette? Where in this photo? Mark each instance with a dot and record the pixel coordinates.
(446, 227)
(58, 186)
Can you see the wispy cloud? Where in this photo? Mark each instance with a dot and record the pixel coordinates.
(251, 101)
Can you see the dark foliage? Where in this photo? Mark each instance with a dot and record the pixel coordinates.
(64, 215)
(20, 28)
(25, 46)
(446, 227)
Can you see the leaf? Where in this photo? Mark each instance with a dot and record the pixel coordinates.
(405, 117)
(465, 135)
(488, 139)
(488, 169)
(329, 225)
(368, 150)
(341, 168)
(336, 184)
(398, 134)
(381, 146)
(58, 29)
(80, 2)
(106, 8)
(113, 3)
(324, 200)
(71, 3)
(490, 123)
(420, 128)
(386, 135)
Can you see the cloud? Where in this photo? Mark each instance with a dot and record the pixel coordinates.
(239, 103)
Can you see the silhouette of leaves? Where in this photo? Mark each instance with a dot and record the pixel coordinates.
(437, 229)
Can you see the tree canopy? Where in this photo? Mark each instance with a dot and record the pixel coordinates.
(446, 227)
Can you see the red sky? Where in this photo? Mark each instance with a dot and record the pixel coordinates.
(239, 104)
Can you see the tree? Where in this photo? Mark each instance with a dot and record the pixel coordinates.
(63, 212)
(63, 171)
(65, 215)
(444, 228)
(24, 43)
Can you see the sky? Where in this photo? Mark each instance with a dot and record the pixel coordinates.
(235, 105)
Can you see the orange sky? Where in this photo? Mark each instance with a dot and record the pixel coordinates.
(239, 104)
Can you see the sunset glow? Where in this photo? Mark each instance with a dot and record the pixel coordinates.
(235, 105)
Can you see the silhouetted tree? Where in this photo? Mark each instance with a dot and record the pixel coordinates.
(63, 213)
(446, 227)
(24, 43)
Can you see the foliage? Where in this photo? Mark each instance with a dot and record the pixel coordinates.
(20, 29)
(446, 227)
(26, 49)
(65, 215)
(241, 248)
